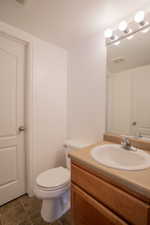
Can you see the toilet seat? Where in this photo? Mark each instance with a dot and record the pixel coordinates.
(58, 188)
(53, 179)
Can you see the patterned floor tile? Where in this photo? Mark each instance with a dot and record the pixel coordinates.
(37, 220)
(9, 206)
(66, 219)
(30, 204)
(26, 211)
(26, 222)
(13, 215)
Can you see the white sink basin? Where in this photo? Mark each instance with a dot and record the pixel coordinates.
(113, 155)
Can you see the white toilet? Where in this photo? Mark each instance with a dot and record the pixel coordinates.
(53, 187)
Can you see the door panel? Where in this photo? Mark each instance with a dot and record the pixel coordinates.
(141, 99)
(8, 93)
(12, 156)
(8, 176)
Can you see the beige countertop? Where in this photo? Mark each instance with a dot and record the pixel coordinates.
(135, 181)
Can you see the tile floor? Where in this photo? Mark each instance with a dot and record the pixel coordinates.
(26, 211)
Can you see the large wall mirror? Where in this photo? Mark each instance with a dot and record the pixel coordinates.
(128, 86)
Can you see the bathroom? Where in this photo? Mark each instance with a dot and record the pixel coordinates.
(73, 70)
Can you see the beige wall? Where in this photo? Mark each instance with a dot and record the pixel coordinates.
(86, 89)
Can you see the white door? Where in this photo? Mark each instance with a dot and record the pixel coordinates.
(12, 156)
(119, 92)
(141, 102)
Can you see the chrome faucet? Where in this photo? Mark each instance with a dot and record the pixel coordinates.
(126, 144)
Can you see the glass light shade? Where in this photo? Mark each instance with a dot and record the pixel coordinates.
(123, 26)
(139, 17)
(108, 33)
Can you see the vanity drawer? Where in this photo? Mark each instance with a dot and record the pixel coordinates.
(126, 206)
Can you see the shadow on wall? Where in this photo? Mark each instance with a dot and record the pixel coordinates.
(60, 158)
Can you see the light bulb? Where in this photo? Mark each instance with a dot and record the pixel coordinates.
(123, 26)
(139, 17)
(108, 33)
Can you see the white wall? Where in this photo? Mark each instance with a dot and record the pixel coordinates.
(86, 90)
(50, 67)
(46, 101)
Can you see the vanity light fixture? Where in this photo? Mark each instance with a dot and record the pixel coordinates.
(146, 30)
(130, 37)
(117, 43)
(126, 31)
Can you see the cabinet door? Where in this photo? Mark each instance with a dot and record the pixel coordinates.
(87, 211)
(140, 101)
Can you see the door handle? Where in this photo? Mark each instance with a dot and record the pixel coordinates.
(21, 129)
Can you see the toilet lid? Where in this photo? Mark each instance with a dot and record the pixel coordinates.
(53, 177)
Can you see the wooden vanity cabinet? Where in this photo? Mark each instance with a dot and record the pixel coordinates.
(96, 202)
(87, 211)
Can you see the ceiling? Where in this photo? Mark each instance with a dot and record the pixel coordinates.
(66, 22)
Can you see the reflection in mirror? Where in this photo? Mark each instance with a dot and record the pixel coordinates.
(128, 86)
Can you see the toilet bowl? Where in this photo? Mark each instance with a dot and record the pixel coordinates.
(53, 188)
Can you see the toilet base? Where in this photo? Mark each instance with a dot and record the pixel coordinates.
(53, 209)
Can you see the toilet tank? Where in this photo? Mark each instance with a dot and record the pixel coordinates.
(71, 145)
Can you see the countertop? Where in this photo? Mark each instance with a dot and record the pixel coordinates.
(135, 181)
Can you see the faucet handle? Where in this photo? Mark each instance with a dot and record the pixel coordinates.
(126, 144)
(125, 140)
(124, 137)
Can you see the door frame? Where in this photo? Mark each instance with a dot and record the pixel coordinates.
(27, 41)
